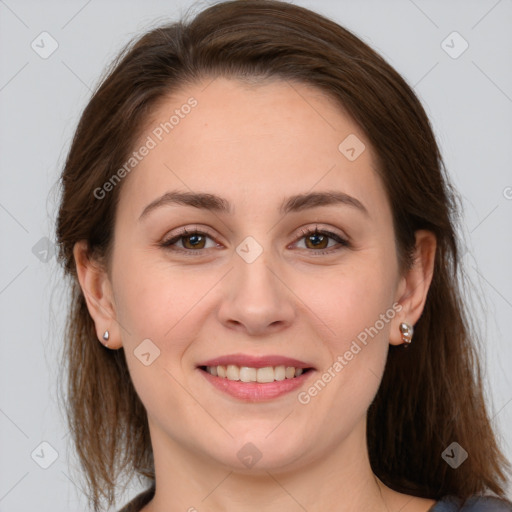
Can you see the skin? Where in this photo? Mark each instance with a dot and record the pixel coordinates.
(254, 146)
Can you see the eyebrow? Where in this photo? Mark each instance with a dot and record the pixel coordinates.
(214, 203)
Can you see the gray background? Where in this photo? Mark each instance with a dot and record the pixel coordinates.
(468, 98)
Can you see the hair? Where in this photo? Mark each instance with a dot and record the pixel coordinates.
(430, 394)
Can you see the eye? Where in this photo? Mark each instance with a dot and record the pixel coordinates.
(194, 242)
(318, 240)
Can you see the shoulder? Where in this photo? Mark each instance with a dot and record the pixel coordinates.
(142, 499)
(474, 503)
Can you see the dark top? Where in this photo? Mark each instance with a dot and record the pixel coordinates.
(446, 504)
(473, 504)
(139, 501)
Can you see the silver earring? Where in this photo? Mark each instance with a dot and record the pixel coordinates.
(106, 336)
(407, 331)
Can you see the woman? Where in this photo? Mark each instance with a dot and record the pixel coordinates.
(259, 230)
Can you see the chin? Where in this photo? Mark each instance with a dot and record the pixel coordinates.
(254, 454)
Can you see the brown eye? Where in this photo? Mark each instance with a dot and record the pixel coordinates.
(195, 241)
(318, 240)
(191, 241)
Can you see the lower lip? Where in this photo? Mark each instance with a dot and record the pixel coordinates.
(256, 391)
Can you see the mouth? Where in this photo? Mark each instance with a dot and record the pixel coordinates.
(256, 379)
(262, 375)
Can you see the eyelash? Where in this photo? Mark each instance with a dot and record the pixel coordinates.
(184, 233)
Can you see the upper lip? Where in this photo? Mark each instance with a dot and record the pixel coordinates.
(256, 361)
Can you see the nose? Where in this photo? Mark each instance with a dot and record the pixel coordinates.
(256, 299)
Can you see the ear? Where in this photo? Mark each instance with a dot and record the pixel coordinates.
(97, 290)
(414, 285)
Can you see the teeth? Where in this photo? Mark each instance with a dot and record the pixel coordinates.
(290, 372)
(232, 372)
(247, 374)
(279, 372)
(265, 374)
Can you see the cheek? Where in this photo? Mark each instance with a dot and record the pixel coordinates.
(352, 301)
(160, 306)
(153, 297)
(168, 305)
(356, 306)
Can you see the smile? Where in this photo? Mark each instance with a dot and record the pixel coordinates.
(250, 384)
(248, 374)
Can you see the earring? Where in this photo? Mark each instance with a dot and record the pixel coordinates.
(407, 331)
(106, 336)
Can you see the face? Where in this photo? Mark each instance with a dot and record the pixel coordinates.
(250, 284)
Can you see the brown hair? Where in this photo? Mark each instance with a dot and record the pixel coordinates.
(431, 394)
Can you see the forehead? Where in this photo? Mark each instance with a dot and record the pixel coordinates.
(261, 141)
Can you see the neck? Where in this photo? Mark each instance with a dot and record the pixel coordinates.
(340, 480)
